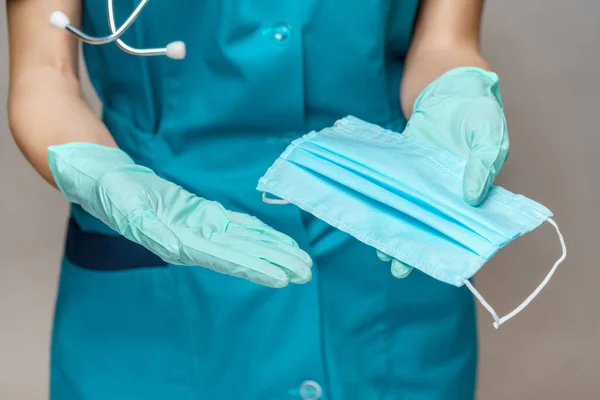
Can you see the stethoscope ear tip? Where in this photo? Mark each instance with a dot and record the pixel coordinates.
(59, 20)
(176, 50)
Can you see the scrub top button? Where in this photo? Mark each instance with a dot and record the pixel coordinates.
(310, 390)
(281, 32)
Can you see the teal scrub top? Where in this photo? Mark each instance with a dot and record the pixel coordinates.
(258, 74)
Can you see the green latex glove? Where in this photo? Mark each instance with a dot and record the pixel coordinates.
(462, 112)
(399, 269)
(176, 225)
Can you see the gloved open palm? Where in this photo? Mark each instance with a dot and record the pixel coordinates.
(462, 112)
(173, 223)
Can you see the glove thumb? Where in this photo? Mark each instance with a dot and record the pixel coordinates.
(479, 177)
(489, 144)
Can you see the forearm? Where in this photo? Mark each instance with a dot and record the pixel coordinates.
(428, 64)
(446, 37)
(45, 109)
(45, 104)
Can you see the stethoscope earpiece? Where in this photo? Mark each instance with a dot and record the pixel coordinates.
(174, 50)
(59, 20)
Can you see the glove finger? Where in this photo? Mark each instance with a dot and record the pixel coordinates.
(257, 225)
(261, 236)
(295, 262)
(241, 255)
(383, 257)
(229, 259)
(400, 270)
(144, 227)
(270, 241)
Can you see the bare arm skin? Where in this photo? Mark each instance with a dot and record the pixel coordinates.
(446, 36)
(45, 104)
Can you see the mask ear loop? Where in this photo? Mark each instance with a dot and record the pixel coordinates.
(273, 201)
(499, 321)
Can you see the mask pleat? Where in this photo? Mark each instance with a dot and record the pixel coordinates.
(374, 223)
(434, 178)
(400, 202)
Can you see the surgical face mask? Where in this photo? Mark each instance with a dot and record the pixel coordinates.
(404, 199)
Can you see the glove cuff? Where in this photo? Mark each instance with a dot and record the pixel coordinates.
(77, 167)
(490, 83)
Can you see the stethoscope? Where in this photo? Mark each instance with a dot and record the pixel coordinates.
(174, 50)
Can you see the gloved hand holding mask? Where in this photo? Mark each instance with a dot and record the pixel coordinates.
(176, 225)
(404, 195)
(462, 112)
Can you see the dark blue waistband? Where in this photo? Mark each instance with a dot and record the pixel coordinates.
(109, 253)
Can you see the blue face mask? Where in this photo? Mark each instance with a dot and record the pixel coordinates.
(403, 199)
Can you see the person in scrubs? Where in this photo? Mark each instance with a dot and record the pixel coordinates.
(178, 282)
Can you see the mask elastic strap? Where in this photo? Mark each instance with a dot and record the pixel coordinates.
(499, 321)
(273, 201)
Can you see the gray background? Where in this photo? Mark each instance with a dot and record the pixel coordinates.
(546, 53)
